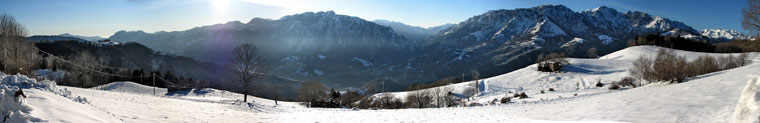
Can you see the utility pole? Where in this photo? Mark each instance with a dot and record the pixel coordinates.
(154, 83)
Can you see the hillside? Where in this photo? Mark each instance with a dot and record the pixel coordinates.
(707, 98)
(349, 52)
(342, 50)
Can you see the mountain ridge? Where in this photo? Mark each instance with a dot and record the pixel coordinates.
(350, 51)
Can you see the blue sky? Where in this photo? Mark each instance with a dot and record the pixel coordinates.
(105, 17)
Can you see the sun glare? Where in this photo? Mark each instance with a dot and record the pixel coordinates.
(220, 5)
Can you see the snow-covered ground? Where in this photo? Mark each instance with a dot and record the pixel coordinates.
(708, 98)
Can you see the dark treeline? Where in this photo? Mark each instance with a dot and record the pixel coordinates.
(672, 42)
(744, 45)
(736, 46)
(128, 59)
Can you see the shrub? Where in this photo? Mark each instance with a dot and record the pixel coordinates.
(523, 95)
(627, 81)
(364, 103)
(516, 95)
(599, 84)
(474, 104)
(505, 100)
(551, 89)
(613, 87)
(542, 91)
(668, 67)
(395, 104)
(743, 59)
(702, 65)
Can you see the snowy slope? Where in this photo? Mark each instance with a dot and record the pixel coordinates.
(45, 104)
(707, 98)
(748, 108)
(130, 87)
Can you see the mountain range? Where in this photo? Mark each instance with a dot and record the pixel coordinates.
(89, 38)
(345, 51)
(414, 33)
(723, 34)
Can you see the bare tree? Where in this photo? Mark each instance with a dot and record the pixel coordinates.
(388, 101)
(449, 98)
(247, 66)
(440, 92)
(273, 92)
(350, 97)
(743, 59)
(312, 90)
(702, 65)
(751, 17)
(419, 98)
(476, 77)
(728, 62)
(84, 73)
(16, 56)
(669, 67)
(642, 68)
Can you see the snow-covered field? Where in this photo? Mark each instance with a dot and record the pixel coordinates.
(707, 98)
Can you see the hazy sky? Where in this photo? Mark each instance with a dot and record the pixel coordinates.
(105, 17)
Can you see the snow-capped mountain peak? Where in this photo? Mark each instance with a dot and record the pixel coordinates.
(723, 34)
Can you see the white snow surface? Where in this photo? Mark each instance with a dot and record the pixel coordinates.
(748, 109)
(707, 98)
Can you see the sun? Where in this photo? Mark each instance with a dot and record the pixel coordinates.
(220, 5)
